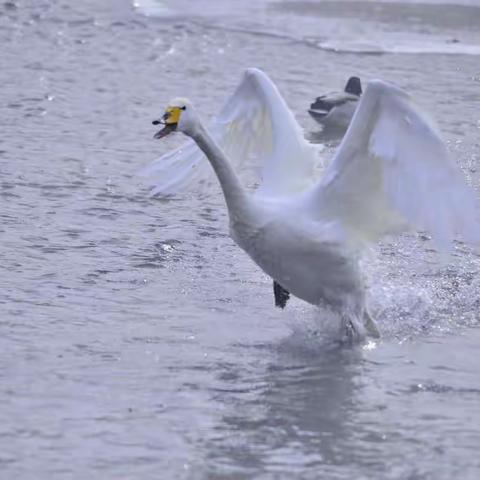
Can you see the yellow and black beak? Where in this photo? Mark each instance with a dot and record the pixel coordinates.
(170, 119)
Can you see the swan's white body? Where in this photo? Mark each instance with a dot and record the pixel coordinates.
(391, 170)
(306, 257)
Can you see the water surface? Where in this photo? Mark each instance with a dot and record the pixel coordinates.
(136, 340)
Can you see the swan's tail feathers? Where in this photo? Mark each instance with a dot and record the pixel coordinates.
(370, 325)
(281, 295)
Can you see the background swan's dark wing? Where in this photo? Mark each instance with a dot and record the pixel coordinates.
(393, 169)
(257, 132)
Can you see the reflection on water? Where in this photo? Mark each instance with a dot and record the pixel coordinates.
(296, 413)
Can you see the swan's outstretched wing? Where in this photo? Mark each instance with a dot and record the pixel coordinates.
(257, 132)
(393, 169)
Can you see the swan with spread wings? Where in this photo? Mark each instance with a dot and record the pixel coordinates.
(304, 227)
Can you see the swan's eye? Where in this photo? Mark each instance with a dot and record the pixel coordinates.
(183, 108)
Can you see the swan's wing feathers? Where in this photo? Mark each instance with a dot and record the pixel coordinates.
(177, 170)
(393, 169)
(259, 136)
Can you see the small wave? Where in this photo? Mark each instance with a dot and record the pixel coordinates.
(315, 330)
(154, 8)
(449, 47)
(433, 387)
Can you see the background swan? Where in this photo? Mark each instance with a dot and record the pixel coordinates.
(391, 170)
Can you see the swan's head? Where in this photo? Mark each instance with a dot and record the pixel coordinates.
(179, 116)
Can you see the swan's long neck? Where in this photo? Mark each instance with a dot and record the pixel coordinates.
(233, 191)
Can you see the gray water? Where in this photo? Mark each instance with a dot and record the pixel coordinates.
(136, 340)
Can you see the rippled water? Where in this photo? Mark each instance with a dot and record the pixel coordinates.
(136, 340)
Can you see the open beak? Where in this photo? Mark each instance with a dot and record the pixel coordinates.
(169, 121)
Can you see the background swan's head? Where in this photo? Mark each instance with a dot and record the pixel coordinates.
(179, 116)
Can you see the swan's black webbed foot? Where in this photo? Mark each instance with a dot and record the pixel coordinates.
(281, 295)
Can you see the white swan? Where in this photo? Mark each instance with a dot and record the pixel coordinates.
(390, 170)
